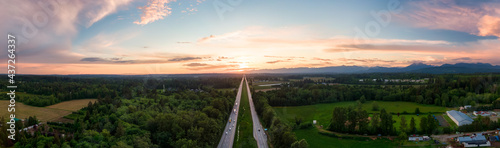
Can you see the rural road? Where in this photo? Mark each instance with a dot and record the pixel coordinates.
(226, 141)
(258, 131)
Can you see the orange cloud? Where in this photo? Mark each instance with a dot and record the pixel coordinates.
(489, 25)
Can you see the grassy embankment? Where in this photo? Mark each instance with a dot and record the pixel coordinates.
(244, 134)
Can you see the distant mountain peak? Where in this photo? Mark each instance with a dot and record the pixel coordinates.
(469, 65)
(413, 68)
(419, 64)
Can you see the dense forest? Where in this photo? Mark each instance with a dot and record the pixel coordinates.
(133, 112)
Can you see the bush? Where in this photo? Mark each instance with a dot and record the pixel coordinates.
(305, 125)
(375, 107)
(343, 136)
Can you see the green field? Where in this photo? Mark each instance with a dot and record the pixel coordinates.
(447, 118)
(314, 139)
(257, 87)
(244, 134)
(323, 112)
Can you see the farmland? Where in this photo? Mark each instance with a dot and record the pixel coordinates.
(49, 113)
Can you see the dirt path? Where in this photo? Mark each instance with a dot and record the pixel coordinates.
(442, 121)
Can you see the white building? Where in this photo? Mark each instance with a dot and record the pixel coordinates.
(423, 138)
(459, 118)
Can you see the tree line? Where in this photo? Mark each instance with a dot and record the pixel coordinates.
(442, 90)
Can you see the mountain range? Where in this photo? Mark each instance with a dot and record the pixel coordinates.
(413, 68)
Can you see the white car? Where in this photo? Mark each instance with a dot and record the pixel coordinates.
(229, 129)
(226, 133)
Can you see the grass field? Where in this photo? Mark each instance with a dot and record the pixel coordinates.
(257, 87)
(314, 139)
(72, 105)
(50, 113)
(266, 82)
(244, 134)
(323, 112)
(447, 118)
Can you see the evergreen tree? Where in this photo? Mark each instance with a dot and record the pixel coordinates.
(413, 128)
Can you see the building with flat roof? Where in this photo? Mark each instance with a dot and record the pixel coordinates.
(474, 141)
(459, 118)
(423, 138)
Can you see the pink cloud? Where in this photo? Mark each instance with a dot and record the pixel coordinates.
(154, 10)
(489, 25)
(45, 29)
(477, 17)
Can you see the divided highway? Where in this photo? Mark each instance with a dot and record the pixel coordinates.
(258, 132)
(227, 139)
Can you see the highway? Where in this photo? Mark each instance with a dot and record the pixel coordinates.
(226, 141)
(258, 132)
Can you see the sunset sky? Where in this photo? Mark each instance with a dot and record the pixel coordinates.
(216, 36)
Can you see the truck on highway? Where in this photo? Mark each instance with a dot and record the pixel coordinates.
(229, 119)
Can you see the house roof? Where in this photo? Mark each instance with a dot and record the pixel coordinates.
(472, 139)
(459, 116)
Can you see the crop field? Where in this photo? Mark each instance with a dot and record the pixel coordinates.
(72, 105)
(49, 113)
(244, 134)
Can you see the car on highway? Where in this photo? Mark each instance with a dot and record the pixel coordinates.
(226, 133)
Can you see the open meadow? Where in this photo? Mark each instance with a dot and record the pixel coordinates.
(323, 112)
(49, 113)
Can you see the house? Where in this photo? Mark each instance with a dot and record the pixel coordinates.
(481, 113)
(474, 141)
(459, 118)
(423, 138)
(465, 107)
